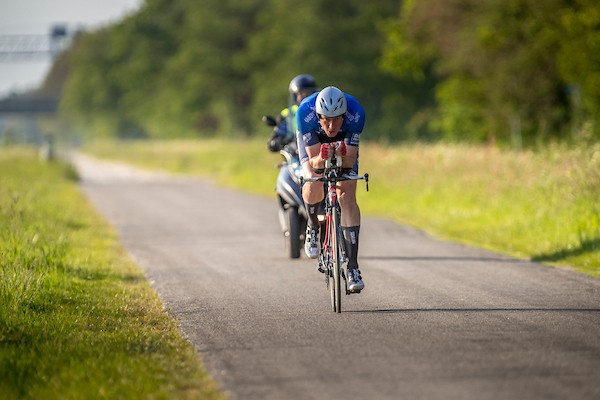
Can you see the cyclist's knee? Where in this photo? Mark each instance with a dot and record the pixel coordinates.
(313, 192)
(347, 199)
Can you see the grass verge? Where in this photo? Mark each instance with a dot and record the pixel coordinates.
(541, 205)
(77, 317)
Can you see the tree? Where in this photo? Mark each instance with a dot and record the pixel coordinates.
(183, 68)
(496, 61)
(579, 60)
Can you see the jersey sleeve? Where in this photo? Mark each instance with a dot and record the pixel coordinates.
(355, 118)
(306, 122)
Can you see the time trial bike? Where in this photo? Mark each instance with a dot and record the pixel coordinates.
(333, 258)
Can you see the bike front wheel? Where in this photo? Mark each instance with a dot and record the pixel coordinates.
(336, 265)
(334, 283)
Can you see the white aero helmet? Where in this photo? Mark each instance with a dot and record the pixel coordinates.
(331, 102)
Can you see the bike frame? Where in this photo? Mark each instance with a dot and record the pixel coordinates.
(332, 258)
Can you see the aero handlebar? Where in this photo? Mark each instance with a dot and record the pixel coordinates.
(334, 178)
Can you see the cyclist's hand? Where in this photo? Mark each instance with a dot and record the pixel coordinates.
(325, 151)
(341, 149)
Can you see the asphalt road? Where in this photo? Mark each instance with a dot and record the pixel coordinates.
(436, 320)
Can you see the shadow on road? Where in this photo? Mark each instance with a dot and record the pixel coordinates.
(443, 258)
(476, 310)
(585, 246)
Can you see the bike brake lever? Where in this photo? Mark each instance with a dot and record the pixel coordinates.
(367, 181)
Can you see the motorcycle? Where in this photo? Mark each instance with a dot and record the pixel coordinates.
(292, 211)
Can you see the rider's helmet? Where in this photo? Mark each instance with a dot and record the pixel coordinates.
(303, 82)
(331, 102)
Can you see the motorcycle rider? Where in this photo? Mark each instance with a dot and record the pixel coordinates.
(300, 87)
(322, 119)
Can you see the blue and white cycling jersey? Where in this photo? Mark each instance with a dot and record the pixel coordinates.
(309, 131)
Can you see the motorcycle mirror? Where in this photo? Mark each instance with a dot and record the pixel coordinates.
(269, 120)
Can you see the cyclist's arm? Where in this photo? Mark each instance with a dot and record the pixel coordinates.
(314, 156)
(356, 125)
(350, 158)
(315, 160)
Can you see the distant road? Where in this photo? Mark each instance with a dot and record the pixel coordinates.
(436, 320)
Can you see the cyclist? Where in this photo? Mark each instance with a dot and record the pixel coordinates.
(324, 118)
(300, 87)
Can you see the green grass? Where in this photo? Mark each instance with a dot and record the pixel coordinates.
(541, 205)
(77, 317)
(79, 320)
(244, 164)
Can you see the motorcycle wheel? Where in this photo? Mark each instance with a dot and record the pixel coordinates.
(294, 232)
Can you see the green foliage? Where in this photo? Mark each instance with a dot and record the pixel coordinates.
(77, 318)
(506, 66)
(299, 37)
(509, 71)
(579, 59)
(112, 86)
(184, 68)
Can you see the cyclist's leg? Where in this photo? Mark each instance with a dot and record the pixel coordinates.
(347, 199)
(313, 194)
(351, 231)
